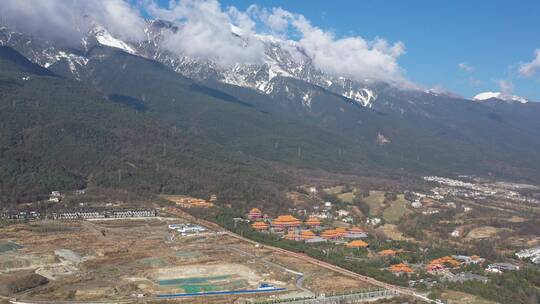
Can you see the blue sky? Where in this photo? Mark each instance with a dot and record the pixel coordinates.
(492, 37)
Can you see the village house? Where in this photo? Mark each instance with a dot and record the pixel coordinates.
(532, 253)
(416, 204)
(441, 264)
(357, 244)
(355, 233)
(260, 226)
(387, 253)
(255, 214)
(342, 213)
(501, 267)
(373, 221)
(474, 259)
(285, 222)
(401, 269)
(313, 222)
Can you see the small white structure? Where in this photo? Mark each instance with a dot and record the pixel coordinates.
(327, 205)
(187, 228)
(467, 209)
(347, 220)
(500, 267)
(55, 196)
(416, 204)
(342, 213)
(79, 192)
(532, 253)
(313, 190)
(455, 233)
(373, 221)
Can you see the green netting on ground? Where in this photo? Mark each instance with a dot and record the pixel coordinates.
(194, 280)
(9, 246)
(200, 288)
(234, 285)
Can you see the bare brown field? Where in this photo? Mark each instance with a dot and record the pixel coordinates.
(119, 260)
(483, 232)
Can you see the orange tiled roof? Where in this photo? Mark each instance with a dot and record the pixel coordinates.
(357, 244)
(313, 221)
(259, 225)
(307, 234)
(286, 220)
(330, 233)
(341, 230)
(444, 261)
(400, 268)
(291, 236)
(387, 252)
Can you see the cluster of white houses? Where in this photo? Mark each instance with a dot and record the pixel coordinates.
(95, 214)
(187, 228)
(21, 215)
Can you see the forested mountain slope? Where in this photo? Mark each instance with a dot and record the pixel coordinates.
(57, 133)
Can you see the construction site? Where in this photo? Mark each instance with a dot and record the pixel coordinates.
(142, 259)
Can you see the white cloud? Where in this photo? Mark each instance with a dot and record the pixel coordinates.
(353, 57)
(205, 32)
(506, 86)
(465, 67)
(530, 68)
(68, 21)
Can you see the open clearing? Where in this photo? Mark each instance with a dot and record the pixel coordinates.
(392, 232)
(483, 232)
(334, 190)
(397, 210)
(375, 201)
(129, 259)
(347, 197)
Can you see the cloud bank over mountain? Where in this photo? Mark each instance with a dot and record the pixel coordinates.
(68, 21)
(529, 69)
(208, 30)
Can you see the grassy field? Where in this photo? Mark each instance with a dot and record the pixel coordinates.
(375, 201)
(392, 232)
(397, 210)
(483, 232)
(334, 190)
(347, 197)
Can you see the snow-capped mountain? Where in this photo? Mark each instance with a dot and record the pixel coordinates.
(284, 60)
(279, 61)
(499, 96)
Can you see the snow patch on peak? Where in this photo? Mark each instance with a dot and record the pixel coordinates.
(105, 38)
(364, 97)
(498, 95)
(235, 30)
(306, 99)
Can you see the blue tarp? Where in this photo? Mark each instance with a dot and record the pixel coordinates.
(213, 293)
